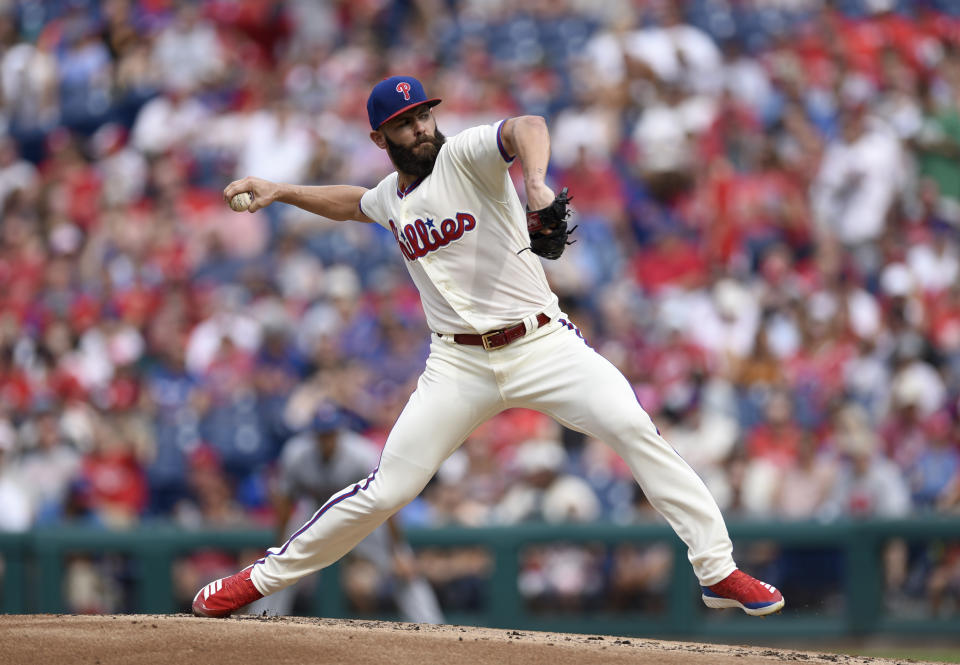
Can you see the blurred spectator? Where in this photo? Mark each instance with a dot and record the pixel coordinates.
(560, 578)
(112, 484)
(123, 169)
(726, 320)
(777, 439)
(187, 52)
(544, 492)
(17, 513)
(663, 143)
(746, 78)
(861, 176)
(16, 174)
(30, 82)
(176, 401)
(935, 263)
(49, 468)
(225, 336)
(171, 120)
(868, 484)
(85, 73)
(944, 581)
(935, 467)
(586, 131)
(803, 488)
(772, 450)
(277, 144)
(210, 498)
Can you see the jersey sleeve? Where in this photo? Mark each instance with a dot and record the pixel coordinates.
(480, 152)
(374, 202)
(370, 206)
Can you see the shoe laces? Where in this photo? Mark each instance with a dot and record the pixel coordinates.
(738, 584)
(239, 578)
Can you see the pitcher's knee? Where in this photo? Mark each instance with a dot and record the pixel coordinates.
(633, 429)
(390, 499)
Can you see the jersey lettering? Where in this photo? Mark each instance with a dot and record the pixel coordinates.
(422, 237)
(404, 88)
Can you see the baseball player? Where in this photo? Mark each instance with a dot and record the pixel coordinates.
(499, 341)
(313, 466)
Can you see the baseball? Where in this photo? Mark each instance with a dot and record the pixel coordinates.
(241, 201)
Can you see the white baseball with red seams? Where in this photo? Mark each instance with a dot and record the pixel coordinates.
(461, 230)
(241, 201)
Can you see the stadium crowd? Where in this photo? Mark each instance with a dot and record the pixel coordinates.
(768, 196)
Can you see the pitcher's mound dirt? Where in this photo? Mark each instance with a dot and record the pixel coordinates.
(248, 640)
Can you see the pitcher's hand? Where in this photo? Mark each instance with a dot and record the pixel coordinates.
(264, 192)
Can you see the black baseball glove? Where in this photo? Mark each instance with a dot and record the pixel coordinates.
(548, 227)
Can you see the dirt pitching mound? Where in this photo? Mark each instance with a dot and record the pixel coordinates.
(154, 639)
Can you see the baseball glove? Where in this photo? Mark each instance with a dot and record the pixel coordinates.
(548, 227)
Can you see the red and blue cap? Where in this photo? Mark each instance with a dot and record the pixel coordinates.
(327, 419)
(394, 95)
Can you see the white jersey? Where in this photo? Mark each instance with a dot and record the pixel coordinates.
(460, 230)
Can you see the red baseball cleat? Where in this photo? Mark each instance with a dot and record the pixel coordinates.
(222, 597)
(740, 590)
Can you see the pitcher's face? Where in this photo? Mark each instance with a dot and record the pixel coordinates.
(412, 141)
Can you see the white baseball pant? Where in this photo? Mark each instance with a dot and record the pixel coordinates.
(551, 370)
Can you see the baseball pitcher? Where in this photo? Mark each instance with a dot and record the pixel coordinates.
(499, 341)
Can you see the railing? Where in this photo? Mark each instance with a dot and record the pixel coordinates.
(33, 573)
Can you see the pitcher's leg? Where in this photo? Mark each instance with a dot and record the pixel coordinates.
(582, 390)
(450, 401)
(346, 519)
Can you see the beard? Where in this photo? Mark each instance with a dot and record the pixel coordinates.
(407, 160)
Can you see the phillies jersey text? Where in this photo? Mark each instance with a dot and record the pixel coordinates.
(461, 230)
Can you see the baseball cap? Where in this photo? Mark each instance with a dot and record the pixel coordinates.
(327, 419)
(394, 95)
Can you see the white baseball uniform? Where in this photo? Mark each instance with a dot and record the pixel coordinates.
(461, 230)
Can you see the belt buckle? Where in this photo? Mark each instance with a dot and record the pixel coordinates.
(487, 344)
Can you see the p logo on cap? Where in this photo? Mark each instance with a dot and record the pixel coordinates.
(393, 96)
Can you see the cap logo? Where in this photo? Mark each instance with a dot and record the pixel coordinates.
(385, 103)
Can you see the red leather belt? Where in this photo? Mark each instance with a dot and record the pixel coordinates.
(498, 338)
